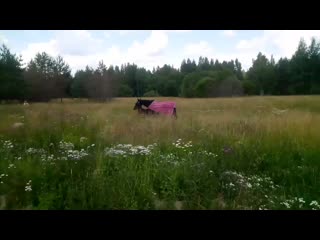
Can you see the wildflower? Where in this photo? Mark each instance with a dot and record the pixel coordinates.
(66, 145)
(11, 166)
(7, 145)
(82, 139)
(76, 155)
(28, 187)
(313, 203)
(286, 204)
(35, 151)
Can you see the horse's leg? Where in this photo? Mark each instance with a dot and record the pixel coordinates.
(175, 113)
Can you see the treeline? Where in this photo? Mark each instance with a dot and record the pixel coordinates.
(46, 78)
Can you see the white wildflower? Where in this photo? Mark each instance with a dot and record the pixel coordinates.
(28, 187)
(315, 205)
(66, 145)
(8, 144)
(76, 155)
(35, 151)
(11, 166)
(286, 204)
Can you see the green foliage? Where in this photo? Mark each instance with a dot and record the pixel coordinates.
(125, 91)
(46, 77)
(151, 93)
(249, 88)
(211, 84)
(12, 85)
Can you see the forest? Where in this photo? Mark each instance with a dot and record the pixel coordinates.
(46, 77)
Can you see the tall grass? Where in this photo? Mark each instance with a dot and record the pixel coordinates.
(245, 153)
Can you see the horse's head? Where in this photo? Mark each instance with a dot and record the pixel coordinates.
(137, 105)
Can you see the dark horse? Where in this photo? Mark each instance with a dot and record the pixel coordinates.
(153, 107)
(139, 106)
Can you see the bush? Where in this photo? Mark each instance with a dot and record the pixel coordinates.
(249, 88)
(125, 91)
(151, 93)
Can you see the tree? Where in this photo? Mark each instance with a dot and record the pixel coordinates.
(283, 76)
(300, 80)
(100, 84)
(39, 77)
(62, 78)
(238, 70)
(80, 82)
(12, 85)
(125, 91)
(262, 73)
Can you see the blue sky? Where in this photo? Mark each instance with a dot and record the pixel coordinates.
(154, 47)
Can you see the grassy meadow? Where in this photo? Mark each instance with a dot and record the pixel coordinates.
(223, 153)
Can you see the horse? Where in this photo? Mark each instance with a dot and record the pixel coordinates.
(155, 107)
(139, 106)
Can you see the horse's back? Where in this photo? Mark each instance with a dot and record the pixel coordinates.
(166, 107)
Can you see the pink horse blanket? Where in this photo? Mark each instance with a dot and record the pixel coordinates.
(163, 107)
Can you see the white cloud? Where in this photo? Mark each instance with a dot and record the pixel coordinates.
(284, 42)
(279, 43)
(152, 46)
(34, 48)
(3, 39)
(125, 32)
(229, 33)
(78, 42)
(66, 43)
(80, 48)
(198, 49)
(107, 34)
(178, 31)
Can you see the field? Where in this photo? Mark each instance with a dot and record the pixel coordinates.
(223, 153)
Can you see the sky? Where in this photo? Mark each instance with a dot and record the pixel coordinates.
(152, 48)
